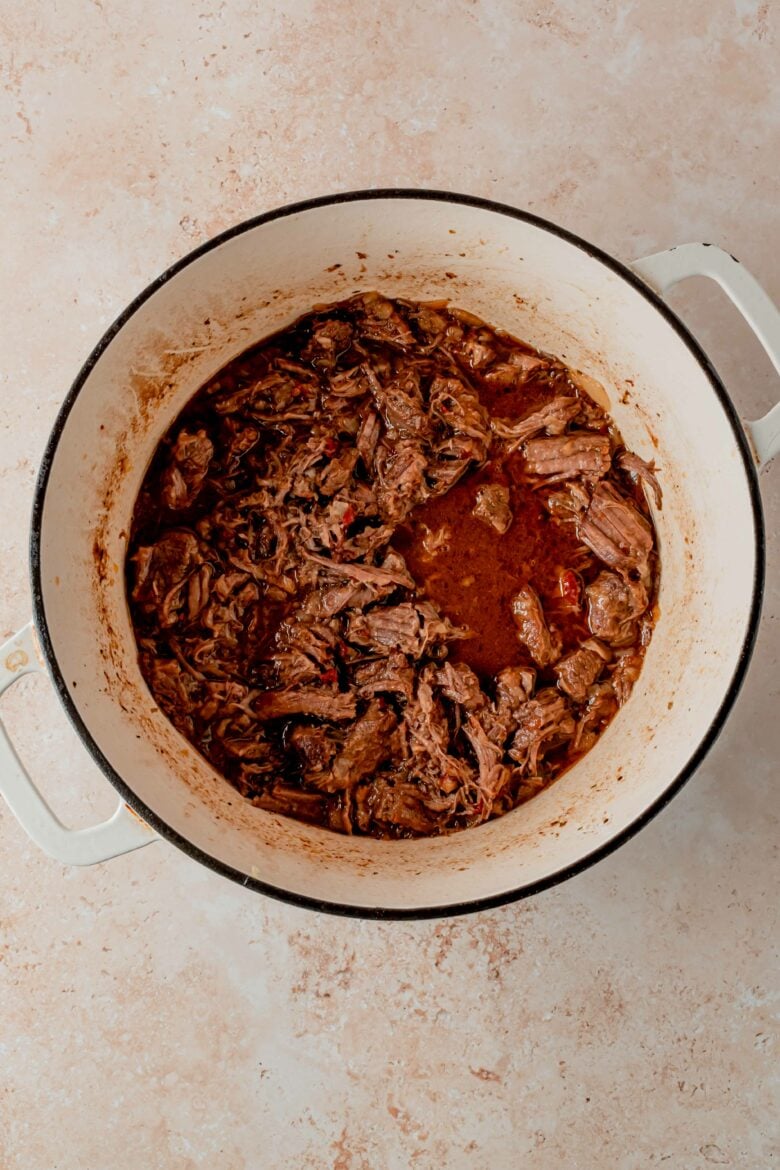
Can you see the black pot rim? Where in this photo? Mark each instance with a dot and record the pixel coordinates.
(378, 912)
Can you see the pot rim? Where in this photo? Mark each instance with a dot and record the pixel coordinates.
(378, 912)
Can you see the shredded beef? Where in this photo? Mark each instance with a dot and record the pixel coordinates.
(392, 571)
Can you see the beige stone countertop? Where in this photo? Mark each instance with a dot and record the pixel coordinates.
(151, 1013)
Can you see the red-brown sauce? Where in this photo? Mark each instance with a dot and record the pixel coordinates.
(476, 571)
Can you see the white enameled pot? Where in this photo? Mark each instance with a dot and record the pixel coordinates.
(515, 271)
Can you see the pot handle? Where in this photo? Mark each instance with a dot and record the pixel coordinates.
(119, 834)
(664, 269)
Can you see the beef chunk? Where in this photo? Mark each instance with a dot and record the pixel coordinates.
(614, 605)
(424, 736)
(450, 460)
(286, 392)
(520, 368)
(329, 339)
(476, 349)
(406, 627)
(332, 706)
(578, 670)
(600, 707)
(353, 383)
(392, 572)
(626, 671)
(162, 573)
(304, 651)
(569, 503)
(574, 454)
(616, 531)
(552, 418)
(430, 323)
(544, 722)
(400, 403)
(397, 627)
(543, 645)
(401, 474)
(459, 684)
(198, 590)
(330, 600)
(390, 675)
(176, 689)
(492, 507)
(368, 744)
(399, 805)
(458, 408)
(368, 436)
(315, 748)
(641, 472)
(250, 744)
(183, 478)
(379, 320)
(238, 438)
(514, 685)
(337, 473)
(293, 802)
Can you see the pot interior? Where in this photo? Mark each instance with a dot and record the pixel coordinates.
(517, 275)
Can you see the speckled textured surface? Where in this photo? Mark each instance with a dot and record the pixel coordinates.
(153, 1015)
